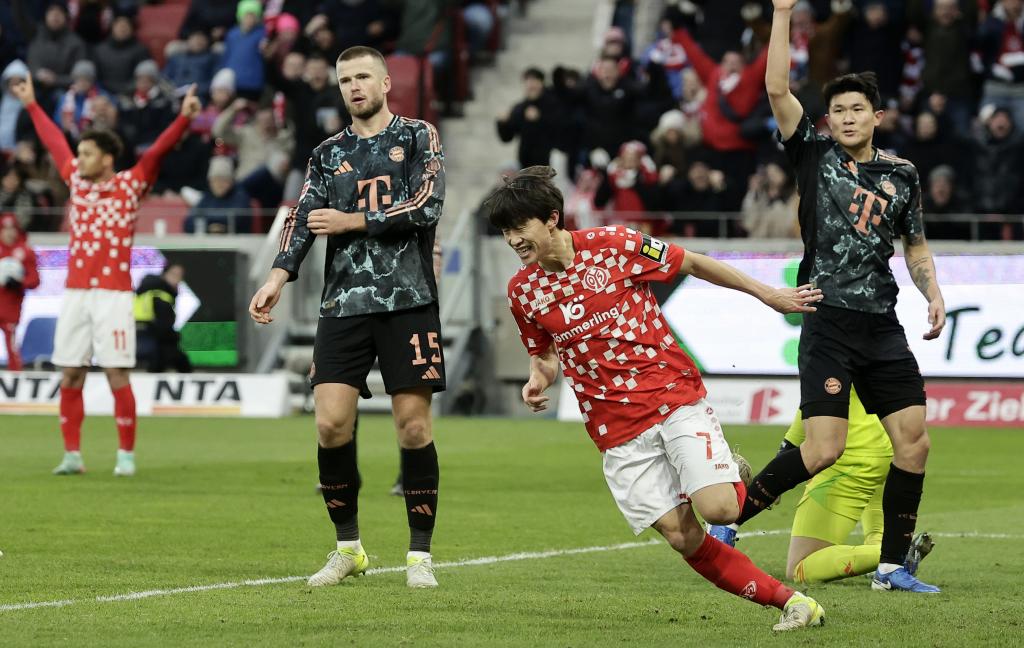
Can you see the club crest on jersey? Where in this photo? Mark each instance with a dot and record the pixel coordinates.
(888, 187)
(397, 154)
(653, 249)
(596, 279)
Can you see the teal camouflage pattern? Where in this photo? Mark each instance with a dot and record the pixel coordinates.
(396, 178)
(850, 213)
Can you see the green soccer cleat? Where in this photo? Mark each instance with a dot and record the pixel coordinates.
(419, 572)
(71, 464)
(340, 565)
(800, 611)
(125, 464)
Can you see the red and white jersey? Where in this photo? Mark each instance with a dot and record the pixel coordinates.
(616, 350)
(102, 223)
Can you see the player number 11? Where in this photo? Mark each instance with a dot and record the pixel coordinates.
(120, 340)
(435, 358)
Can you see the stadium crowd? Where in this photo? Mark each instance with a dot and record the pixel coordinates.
(686, 126)
(264, 71)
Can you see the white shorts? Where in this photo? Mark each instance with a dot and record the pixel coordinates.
(98, 324)
(656, 472)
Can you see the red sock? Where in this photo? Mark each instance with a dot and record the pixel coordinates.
(733, 572)
(72, 412)
(124, 416)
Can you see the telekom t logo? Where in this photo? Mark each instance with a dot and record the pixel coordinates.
(375, 197)
(870, 200)
(571, 311)
(762, 407)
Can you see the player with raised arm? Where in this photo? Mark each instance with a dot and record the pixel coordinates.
(96, 319)
(582, 301)
(854, 201)
(376, 191)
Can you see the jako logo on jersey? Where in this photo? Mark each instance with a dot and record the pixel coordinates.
(543, 301)
(585, 325)
(596, 279)
(571, 311)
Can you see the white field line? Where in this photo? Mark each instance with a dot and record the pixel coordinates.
(469, 562)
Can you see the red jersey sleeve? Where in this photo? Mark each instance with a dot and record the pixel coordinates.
(534, 337)
(31, 279)
(53, 139)
(651, 259)
(148, 165)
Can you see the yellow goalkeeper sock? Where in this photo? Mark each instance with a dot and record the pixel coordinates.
(838, 561)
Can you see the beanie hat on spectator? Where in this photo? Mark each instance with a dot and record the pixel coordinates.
(633, 146)
(16, 69)
(671, 120)
(615, 35)
(84, 70)
(284, 23)
(223, 80)
(221, 166)
(247, 7)
(148, 68)
(942, 171)
(60, 4)
(8, 219)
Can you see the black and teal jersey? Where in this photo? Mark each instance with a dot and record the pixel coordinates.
(850, 214)
(396, 178)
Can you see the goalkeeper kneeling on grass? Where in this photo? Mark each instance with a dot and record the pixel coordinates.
(836, 498)
(17, 274)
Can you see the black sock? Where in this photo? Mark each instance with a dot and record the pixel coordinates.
(785, 445)
(420, 476)
(339, 484)
(900, 500)
(782, 473)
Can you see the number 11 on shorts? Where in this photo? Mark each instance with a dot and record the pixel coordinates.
(120, 340)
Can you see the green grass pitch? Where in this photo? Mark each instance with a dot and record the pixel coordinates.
(224, 501)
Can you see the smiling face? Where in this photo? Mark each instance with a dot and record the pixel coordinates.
(852, 119)
(364, 85)
(532, 241)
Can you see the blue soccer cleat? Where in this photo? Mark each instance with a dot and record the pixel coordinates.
(723, 533)
(901, 581)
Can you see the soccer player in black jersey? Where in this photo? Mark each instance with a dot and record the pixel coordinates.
(375, 190)
(854, 201)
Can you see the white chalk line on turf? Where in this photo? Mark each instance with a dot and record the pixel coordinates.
(469, 562)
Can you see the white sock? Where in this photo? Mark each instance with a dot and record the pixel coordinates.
(419, 555)
(733, 526)
(887, 568)
(354, 545)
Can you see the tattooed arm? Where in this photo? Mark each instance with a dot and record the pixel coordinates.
(922, 271)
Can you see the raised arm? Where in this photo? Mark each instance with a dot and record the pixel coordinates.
(48, 132)
(149, 163)
(703, 65)
(784, 300)
(785, 106)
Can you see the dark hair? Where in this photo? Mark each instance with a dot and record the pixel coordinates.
(866, 83)
(608, 57)
(107, 141)
(533, 73)
(360, 51)
(526, 194)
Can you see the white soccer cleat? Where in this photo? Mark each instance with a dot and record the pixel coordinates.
(125, 464)
(71, 464)
(800, 611)
(340, 565)
(419, 572)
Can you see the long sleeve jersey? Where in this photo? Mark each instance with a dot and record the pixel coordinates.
(395, 178)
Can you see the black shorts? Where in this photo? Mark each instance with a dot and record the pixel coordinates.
(840, 347)
(406, 344)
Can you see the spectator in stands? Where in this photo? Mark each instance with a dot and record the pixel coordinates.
(733, 91)
(196, 64)
(18, 272)
(222, 93)
(940, 200)
(948, 32)
(256, 139)
(215, 17)
(670, 55)
(425, 30)
(74, 111)
(534, 120)
(998, 160)
(184, 166)
(157, 340)
(14, 122)
(54, 51)
(615, 46)
(43, 181)
(1002, 47)
(694, 96)
(92, 20)
(654, 97)
(265, 184)
(117, 56)
(672, 138)
(242, 50)
(150, 108)
(630, 187)
(479, 22)
(15, 198)
(607, 101)
(105, 115)
(224, 206)
(889, 134)
(565, 90)
(932, 146)
(769, 208)
(355, 22)
(874, 44)
(322, 43)
(702, 190)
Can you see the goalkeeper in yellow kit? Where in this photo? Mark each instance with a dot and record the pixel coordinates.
(836, 498)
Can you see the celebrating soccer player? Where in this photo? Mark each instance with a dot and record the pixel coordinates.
(854, 201)
(582, 300)
(375, 190)
(96, 318)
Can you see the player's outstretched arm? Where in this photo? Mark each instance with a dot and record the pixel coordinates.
(785, 300)
(785, 106)
(922, 270)
(267, 296)
(150, 160)
(51, 136)
(543, 371)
